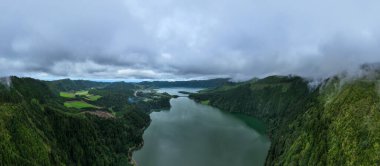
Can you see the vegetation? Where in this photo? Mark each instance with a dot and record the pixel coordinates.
(67, 95)
(37, 129)
(67, 85)
(82, 93)
(93, 97)
(184, 92)
(205, 102)
(336, 123)
(78, 104)
(119, 96)
(190, 84)
(78, 94)
(115, 96)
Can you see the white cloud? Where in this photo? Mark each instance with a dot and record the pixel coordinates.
(183, 39)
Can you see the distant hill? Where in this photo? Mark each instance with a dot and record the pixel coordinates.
(336, 123)
(188, 84)
(74, 85)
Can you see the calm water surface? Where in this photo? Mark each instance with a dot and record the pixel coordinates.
(192, 134)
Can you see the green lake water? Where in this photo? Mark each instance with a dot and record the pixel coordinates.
(192, 134)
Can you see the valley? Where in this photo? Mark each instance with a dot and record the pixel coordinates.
(194, 134)
(277, 120)
(189, 83)
(67, 122)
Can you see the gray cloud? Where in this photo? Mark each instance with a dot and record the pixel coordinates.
(170, 39)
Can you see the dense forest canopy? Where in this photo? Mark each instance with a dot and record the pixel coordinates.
(189, 84)
(37, 129)
(92, 123)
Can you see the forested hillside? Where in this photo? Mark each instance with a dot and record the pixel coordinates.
(37, 129)
(335, 123)
(189, 84)
(74, 85)
(115, 95)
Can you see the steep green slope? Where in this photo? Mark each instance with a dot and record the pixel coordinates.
(334, 124)
(36, 129)
(342, 127)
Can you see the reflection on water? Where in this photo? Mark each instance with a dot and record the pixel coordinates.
(191, 134)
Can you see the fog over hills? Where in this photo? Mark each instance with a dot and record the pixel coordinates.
(171, 39)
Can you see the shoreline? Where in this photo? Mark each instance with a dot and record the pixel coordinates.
(133, 162)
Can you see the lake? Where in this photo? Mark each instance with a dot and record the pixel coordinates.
(192, 134)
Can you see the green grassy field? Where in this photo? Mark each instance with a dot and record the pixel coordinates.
(80, 93)
(205, 102)
(67, 94)
(93, 97)
(79, 104)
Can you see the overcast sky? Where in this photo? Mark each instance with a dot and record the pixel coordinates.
(183, 39)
